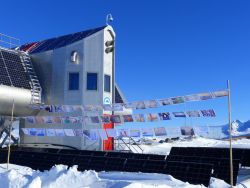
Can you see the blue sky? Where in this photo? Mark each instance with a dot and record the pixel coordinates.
(164, 48)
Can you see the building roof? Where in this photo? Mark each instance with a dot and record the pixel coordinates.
(58, 42)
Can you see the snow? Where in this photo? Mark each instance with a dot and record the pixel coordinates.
(61, 177)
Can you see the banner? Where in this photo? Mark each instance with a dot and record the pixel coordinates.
(165, 116)
(160, 131)
(95, 119)
(193, 113)
(208, 113)
(187, 131)
(86, 133)
(151, 104)
(152, 117)
(174, 131)
(128, 118)
(135, 133)
(147, 132)
(179, 114)
(115, 119)
(69, 132)
(50, 132)
(59, 132)
(123, 132)
(139, 117)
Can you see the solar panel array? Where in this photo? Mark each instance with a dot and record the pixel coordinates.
(12, 72)
(219, 157)
(195, 173)
(59, 42)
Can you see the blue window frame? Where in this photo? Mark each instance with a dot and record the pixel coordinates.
(107, 83)
(73, 81)
(91, 81)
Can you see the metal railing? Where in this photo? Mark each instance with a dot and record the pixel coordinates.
(8, 41)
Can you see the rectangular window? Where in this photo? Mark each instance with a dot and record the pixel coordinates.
(91, 81)
(107, 83)
(74, 81)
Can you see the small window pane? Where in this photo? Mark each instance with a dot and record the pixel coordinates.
(107, 83)
(92, 81)
(73, 81)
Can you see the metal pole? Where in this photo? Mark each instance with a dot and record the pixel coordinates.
(12, 114)
(230, 134)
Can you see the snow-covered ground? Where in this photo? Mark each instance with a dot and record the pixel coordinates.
(61, 177)
(153, 146)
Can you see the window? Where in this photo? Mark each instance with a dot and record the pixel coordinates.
(74, 81)
(107, 83)
(91, 81)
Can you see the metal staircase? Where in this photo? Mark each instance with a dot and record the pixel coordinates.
(36, 89)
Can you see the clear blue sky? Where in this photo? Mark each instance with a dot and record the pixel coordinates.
(164, 48)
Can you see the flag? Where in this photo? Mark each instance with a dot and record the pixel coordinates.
(59, 132)
(107, 107)
(69, 132)
(179, 114)
(94, 134)
(115, 118)
(50, 132)
(105, 119)
(151, 104)
(78, 132)
(48, 119)
(117, 107)
(86, 133)
(140, 105)
(160, 131)
(127, 118)
(208, 113)
(56, 120)
(25, 131)
(66, 120)
(152, 117)
(174, 131)
(123, 132)
(32, 131)
(177, 100)
(39, 120)
(205, 96)
(164, 116)
(77, 108)
(40, 132)
(135, 133)
(139, 117)
(95, 119)
(187, 131)
(67, 108)
(130, 105)
(193, 113)
(30, 119)
(194, 97)
(222, 93)
(111, 133)
(165, 102)
(147, 132)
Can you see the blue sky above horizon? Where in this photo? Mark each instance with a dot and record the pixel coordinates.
(163, 48)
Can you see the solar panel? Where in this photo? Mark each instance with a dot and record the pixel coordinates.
(12, 72)
(194, 173)
(62, 41)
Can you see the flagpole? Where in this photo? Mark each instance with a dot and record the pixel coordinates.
(230, 133)
(10, 128)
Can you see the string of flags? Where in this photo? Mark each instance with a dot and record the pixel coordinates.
(104, 134)
(133, 105)
(149, 117)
